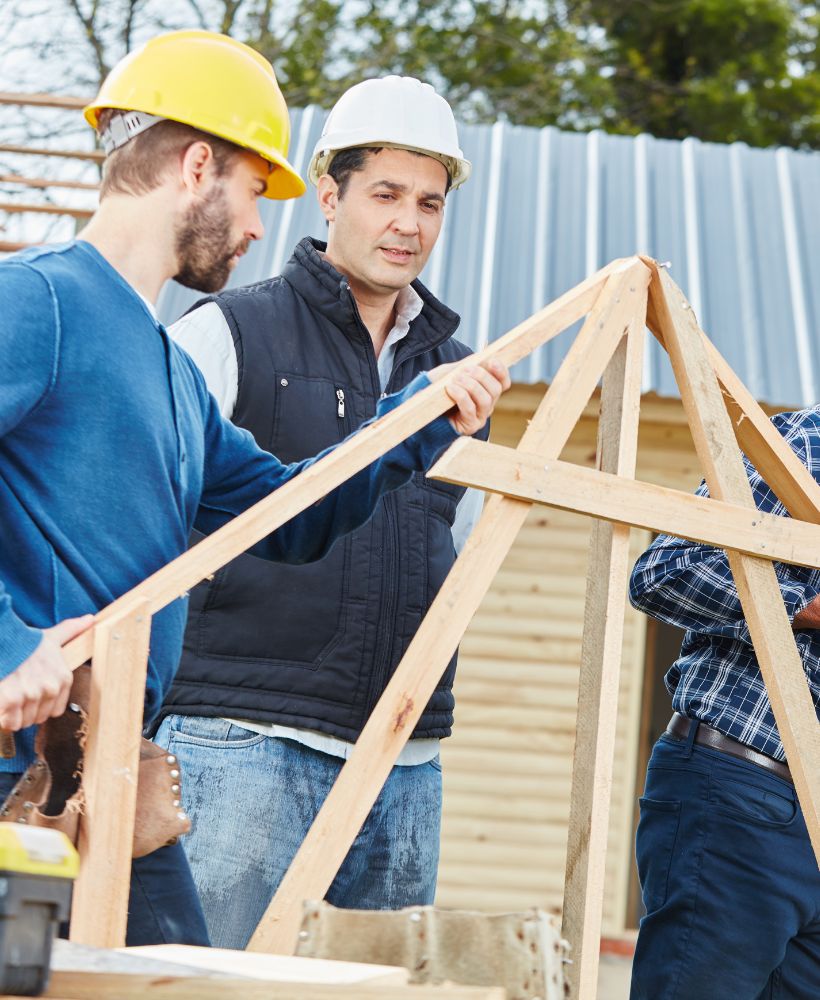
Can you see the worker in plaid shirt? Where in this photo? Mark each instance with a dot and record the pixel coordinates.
(729, 880)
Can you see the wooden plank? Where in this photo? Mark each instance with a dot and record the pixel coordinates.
(44, 100)
(599, 681)
(757, 586)
(645, 505)
(43, 182)
(276, 968)
(8, 246)
(318, 480)
(19, 208)
(100, 904)
(128, 986)
(777, 463)
(414, 680)
(67, 154)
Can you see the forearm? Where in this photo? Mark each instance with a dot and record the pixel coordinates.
(691, 586)
(309, 535)
(17, 640)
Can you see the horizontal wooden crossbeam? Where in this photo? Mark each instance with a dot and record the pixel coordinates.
(43, 100)
(94, 155)
(12, 246)
(625, 501)
(20, 208)
(45, 182)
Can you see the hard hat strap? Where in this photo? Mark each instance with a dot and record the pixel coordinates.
(123, 126)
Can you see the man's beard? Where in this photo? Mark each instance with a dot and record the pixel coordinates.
(203, 245)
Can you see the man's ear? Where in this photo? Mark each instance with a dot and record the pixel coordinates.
(327, 191)
(197, 167)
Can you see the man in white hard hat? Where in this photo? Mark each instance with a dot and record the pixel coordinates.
(111, 448)
(283, 665)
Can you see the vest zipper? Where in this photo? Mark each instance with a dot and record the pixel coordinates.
(387, 624)
(340, 404)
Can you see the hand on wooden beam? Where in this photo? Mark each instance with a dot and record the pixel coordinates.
(475, 391)
(38, 688)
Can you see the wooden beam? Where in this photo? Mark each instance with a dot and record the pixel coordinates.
(94, 155)
(757, 586)
(641, 505)
(19, 208)
(100, 904)
(11, 246)
(132, 986)
(355, 454)
(44, 100)
(43, 182)
(414, 680)
(600, 670)
(276, 968)
(775, 461)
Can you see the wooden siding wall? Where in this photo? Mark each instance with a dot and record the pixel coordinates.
(507, 767)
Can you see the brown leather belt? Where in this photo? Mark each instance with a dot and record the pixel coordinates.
(708, 736)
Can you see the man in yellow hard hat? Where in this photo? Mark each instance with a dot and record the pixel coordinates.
(282, 665)
(111, 448)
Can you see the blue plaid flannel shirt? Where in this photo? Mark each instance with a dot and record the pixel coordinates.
(716, 677)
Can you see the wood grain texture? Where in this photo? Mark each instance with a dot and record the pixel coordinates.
(100, 904)
(127, 986)
(599, 680)
(657, 508)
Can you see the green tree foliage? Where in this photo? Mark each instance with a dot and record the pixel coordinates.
(520, 61)
(722, 70)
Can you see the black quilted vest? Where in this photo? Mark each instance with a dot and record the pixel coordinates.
(314, 646)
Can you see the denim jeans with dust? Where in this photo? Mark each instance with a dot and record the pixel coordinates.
(252, 800)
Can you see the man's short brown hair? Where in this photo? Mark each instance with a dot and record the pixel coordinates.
(139, 166)
(351, 160)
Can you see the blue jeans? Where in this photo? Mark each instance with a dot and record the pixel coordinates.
(253, 798)
(163, 907)
(729, 880)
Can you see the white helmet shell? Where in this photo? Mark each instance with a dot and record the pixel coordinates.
(396, 111)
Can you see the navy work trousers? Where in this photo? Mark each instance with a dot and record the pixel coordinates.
(729, 881)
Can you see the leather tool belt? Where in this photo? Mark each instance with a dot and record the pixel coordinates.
(50, 793)
(708, 736)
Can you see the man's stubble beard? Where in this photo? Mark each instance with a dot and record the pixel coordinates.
(204, 244)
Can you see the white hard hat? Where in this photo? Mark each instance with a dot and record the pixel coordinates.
(396, 111)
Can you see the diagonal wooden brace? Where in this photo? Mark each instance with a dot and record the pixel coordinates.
(213, 552)
(755, 579)
(392, 721)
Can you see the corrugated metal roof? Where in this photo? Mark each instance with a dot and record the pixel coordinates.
(545, 208)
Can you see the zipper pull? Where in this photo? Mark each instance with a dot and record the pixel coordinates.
(340, 404)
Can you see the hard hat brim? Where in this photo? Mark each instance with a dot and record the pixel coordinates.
(458, 168)
(283, 182)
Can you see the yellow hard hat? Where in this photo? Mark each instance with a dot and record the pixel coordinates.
(213, 83)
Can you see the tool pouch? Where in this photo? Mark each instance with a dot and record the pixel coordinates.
(50, 793)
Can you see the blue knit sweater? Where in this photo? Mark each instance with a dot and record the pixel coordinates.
(112, 450)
